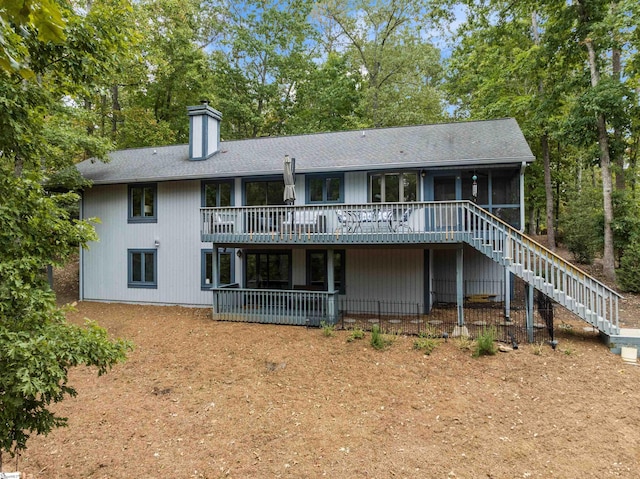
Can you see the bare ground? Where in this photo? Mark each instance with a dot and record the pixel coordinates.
(205, 399)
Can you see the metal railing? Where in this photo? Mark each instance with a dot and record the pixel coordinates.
(395, 317)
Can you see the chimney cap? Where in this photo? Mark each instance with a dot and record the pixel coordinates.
(204, 109)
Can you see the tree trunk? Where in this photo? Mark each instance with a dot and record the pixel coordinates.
(88, 106)
(608, 258)
(616, 66)
(548, 192)
(531, 213)
(544, 144)
(115, 110)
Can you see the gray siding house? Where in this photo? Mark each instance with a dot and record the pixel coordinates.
(396, 219)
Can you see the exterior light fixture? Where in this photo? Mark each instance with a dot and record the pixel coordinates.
(156, 243)
(474, 188)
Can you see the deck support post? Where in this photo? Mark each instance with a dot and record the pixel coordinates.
(331, 306)
(215, 268)
(528, 294)
(507, 294)
(428, 280)
(460, 285)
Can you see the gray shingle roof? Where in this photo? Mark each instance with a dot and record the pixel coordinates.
(473, 143)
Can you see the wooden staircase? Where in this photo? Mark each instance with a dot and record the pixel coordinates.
(547, 272)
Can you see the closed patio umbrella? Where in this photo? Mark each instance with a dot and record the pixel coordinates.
(289, 180)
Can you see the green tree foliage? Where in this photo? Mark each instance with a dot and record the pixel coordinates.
(501, 67)
(266, 55)
(174, 70)
(140, 128)
(327, 99)
(400, 71)
(264, 65)
(37, 345)
(629, 272)
(582, 225)
(20, 19)
(42, 132)
(568, 73)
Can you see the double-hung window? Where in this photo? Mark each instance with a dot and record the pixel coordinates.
(393, 187)
(142, 269)
(143, 199)
(225, 267)
(325, 188)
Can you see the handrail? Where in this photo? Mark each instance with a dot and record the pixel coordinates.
(556, 277)
(526, 238)
(419, 223)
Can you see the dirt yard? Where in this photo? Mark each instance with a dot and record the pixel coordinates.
(204, 399)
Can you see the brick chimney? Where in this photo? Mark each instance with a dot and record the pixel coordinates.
(204, 131)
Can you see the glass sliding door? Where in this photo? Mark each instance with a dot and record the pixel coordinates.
(264, 193)
(393, 187)
(268, 269)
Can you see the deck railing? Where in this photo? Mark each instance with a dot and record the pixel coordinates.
(355, 223)
(294, 307)
(414, 223)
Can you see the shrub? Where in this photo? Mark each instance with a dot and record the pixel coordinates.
(485, 344)
(538, 348)
(430, 332)
(629, 273)
(356, 333)
(464, 343)
(377, 339)
(582, 226)
(426, 344)
(328, 330)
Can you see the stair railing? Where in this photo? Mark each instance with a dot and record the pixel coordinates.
(559, 279)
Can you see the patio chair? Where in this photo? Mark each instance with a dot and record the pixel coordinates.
(402, 222)
(223, 223)
(349, 221)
